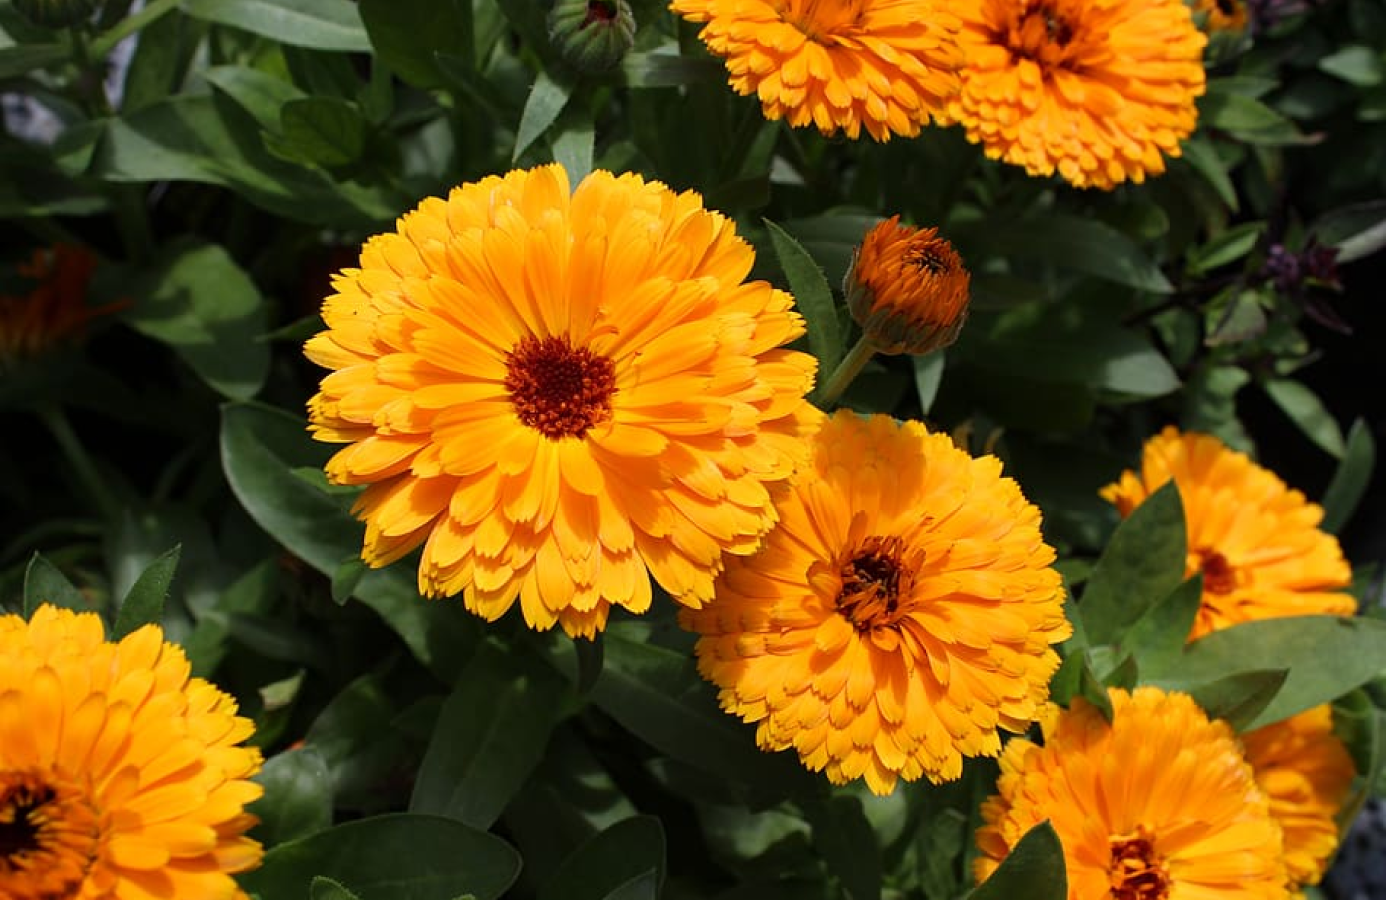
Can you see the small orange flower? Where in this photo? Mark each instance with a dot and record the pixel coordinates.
(55, 309)
(887, 66)
(907, 289)
(1256, 542)
(1222, 15)
(1307, 773)
(1157, 805)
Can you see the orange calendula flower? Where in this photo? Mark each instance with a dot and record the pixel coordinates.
(887, 66)
(1222, 15)
(121, 777)
(1157, 805)
(1256, 542)
(1100, 91)
(1307, 773)
(54, 308)
(558, 393)
(907, 289)
(901, 612)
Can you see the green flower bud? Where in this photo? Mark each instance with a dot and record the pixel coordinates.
(592, 35)
(55, 13)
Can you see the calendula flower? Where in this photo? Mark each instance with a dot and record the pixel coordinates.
(1256, 542)
(900, 614)
(1157, 805)
(907, 289)
(887, 66)
(558, 394)
(121, 778)
(54, 307)
(1100, 92)
(1307, 773)
(1222, 15)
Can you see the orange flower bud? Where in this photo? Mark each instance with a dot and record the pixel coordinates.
(907, 289)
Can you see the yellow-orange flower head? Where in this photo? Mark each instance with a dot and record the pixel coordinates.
(1307, 773)
(1157, 805)
(901, 612)
(559, 394)
(1098, 90)
(907, 289)
(1256, 542)
(121, 778)
(54, 309)
(887, 66)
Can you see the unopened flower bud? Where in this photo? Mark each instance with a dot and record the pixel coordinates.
(55, 13)
(592, 35)
(907, 289)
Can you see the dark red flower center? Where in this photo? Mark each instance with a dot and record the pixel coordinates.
(874, 577)
(1218, 575)
(557, 389)
(1136, 871)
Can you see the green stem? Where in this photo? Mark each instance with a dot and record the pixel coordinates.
(81, 462)
(106, 42)
(847, 370)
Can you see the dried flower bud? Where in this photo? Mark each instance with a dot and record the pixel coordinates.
(907, 289)
(55, 13)
(592, 35)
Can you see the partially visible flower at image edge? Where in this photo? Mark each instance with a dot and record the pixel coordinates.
(1256, 542)
(900, 614)
(1100, 93)
(121, 777)
(886, 66)
(1222, 15)
(907, 288)
(1307, 774)
(54, 309)
(1158, 804)
(559, 394)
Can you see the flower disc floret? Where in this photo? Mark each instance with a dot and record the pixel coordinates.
(886, 66)
(561, 393)
(1100, 91)
(1256, 542)
(900, 614)
(1158, 804)
(121, 777)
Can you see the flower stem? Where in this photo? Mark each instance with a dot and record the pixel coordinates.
(81, 462)
(846, 371)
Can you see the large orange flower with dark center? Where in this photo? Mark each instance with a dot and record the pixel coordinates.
(559, 393)
(843, 65)
(900, 614)
(121, 778)
(1156, 805)
(1256, 541)
(1098, 90)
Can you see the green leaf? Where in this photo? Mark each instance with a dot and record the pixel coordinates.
(812, 296)
(644, 886)
(1237, 314)
(43, 583)
(666, 68)
(323, 888)
(546, 100)
(206, 307)
(258, 93)
(144, 603)
(928, 375)
(1355, 64)
(406, 34)
(25, 58)
(324, 131)
(848, 845)
(1350, 479)
(1077, 244)
(1143, 563)
(1158, 637)
(1326, 656)
(490, 735)
(318, 24)
(298, 796)
(1244, 118)
(1226, 247)
(1357, 230)
(1239, 698)
(609, 862)
(402, 857)
(573, 148)
(1307, 411)
(1203, 158)
(1033, 870)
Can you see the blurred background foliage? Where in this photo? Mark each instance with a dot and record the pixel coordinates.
(222, 157)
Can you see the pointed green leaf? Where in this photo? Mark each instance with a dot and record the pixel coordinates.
(43, 583)
(1351, 478)
(631, 850)
(298, 796)
(813, 298)
(848, 845)
(323, 888)
(1033, 870)
(1078, 244)
(319, 24)
(1307, 411)
(407, 33)
(144, 604)
(546, 100)
(1158, 637)
(928, 375)
(644, 886)
(1143, 563)
(573, 148)
(1238, 699)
